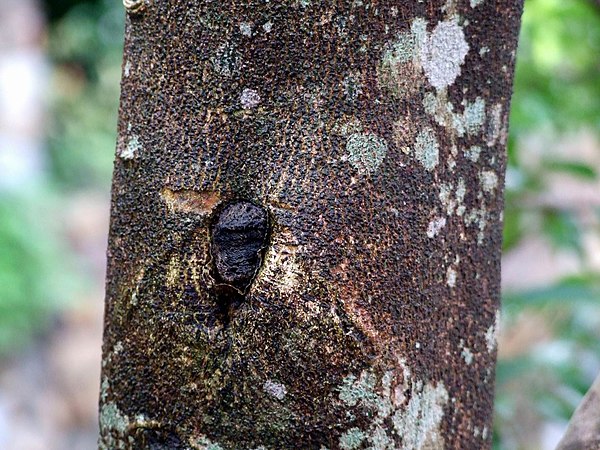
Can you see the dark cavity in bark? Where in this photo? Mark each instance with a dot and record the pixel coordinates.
(239, 238)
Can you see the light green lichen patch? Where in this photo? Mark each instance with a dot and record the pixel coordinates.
(416, 425)
(362, 391)
(461, 190)
(203, 443)
(352, 439)
(419, 30)
(111, 419)
(489, 181)
(438, 54)
(104, 386)
(453, 202)
(479, 217)
(446, 198)
(475, 3)
(442, 111)
(474, 116)
(491, 335)
(426, 149)
(443, 53)
(472, 153)
(226, 60)
(366, 151)
(400, 70)
(495, 125)
(466, 352)
(113, 426)
(419, 424)
(246, 29)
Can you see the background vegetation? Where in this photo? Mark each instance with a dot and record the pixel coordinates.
(554, 155)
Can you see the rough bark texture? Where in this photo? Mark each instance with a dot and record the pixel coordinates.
(373, 135)
(583, 432)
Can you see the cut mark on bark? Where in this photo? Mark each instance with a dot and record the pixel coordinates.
(190, 201)
(239, 238)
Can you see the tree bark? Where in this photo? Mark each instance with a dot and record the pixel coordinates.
(306, 224)
(583, 431)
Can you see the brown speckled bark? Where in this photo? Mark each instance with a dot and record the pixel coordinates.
(373, 134)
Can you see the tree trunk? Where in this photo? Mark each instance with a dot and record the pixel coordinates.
(306, 224)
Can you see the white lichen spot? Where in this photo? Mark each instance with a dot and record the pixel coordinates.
(475, 3)
(483, 51)
(491, 335)
(466, 353)
(489, 181)
(495, 125)
(435, 226)
(246, 29)
(118, 348)
(249, 98)
(472, 153)
(419, 424)
(127, 69)
(427, 149)
(352, 439)
(366, 151)
(445, 197)
(275, 389)
(267, 27)
(451, 277)
(461, 190)
(443, 53)
(132, 149)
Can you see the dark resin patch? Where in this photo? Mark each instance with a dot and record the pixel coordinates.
(239, 237)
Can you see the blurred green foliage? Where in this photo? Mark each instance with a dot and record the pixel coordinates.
(556, 90)
(34, 268)
(39, 272)
(86, 47)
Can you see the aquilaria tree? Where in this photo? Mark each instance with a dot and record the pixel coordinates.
(306, 224)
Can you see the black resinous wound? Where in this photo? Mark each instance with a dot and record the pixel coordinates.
(239, 237)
